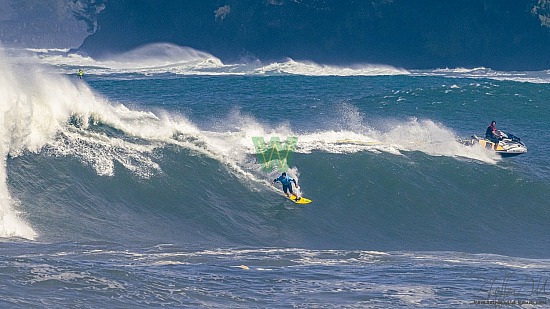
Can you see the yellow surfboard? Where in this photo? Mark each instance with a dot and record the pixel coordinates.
(302, 200)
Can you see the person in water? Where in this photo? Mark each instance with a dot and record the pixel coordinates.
(80, 73)
(492, 133)
(286, 181)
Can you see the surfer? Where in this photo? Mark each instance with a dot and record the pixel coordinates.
(80, 73)
(492, 133)
(286, 181)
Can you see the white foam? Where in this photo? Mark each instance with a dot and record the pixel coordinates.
(35, 114)
(313, 69)
(160, 54)
(351, 135)
(47, 50)
(12, 133)
(536, 77)
(161, 58)
(149, 59)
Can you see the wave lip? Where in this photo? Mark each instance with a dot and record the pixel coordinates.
(160, 58)
(161, 54)
(535, 77)
(309, 68)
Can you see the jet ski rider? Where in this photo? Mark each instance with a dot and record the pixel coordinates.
(492, 133)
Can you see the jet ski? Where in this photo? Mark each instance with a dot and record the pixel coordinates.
(509, 146)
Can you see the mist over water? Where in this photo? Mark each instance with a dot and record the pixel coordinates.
(160, 58)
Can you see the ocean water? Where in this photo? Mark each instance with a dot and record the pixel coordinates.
(139, 185)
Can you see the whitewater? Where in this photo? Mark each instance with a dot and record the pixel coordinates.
(139, 185)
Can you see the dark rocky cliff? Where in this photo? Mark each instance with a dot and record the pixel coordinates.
(500, 34)
(40, 24)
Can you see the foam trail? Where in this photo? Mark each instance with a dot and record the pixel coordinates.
(351, 134)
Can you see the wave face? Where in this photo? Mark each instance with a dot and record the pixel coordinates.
(503, 35)
(170, 159)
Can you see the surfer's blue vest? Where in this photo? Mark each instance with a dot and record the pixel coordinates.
(284, 180)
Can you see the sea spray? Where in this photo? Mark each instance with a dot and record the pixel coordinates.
(12, 135)
(41, 111)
